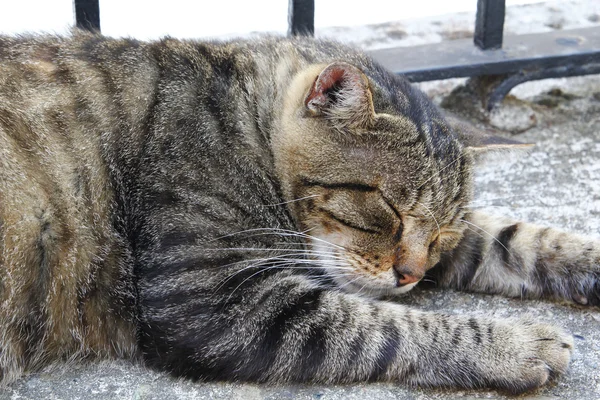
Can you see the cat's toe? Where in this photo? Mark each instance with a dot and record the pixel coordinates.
(588, 293)
(541, 352)
(593, 297)
(535, 373)
(554, 347)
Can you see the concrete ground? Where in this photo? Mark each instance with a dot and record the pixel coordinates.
(557, 184)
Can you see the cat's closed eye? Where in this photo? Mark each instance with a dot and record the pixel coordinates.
(336, 216)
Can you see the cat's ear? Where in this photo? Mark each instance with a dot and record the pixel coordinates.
(341, 94)
(479, 142)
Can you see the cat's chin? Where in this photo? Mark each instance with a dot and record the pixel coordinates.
(377, 291)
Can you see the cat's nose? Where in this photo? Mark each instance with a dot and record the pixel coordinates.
(405, 277)
(409, 264)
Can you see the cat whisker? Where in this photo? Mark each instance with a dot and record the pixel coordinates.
(271, 231)
(244, 281)
(349, 282)
(325, 242)
(442, 170)
(256, 273)
(254, 260)
(484, 206)
(256, 263)
(296, 252)
(361, 289)
(489, 234)
(281, 259)
(290, 257)
(432, 216)
(265, 249)
(291, 201)
(304, 235)
(282, 232)
(504, 198)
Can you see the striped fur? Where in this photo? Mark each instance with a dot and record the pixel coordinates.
(236, 210)
(517, 259)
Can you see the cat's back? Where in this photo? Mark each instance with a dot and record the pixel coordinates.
(83, 121)
(64, 264)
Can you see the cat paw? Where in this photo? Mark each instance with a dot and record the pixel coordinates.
(592, 295)
(538, 353)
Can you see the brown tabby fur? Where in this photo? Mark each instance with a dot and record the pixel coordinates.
(235, 210)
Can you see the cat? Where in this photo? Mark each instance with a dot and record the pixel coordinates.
(244, 210)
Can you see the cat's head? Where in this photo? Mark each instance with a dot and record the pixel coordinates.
(374, 174)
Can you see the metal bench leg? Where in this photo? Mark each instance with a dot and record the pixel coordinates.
(499, 85)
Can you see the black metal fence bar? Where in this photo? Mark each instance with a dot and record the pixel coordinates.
(489, 24)
(301, 17)
(87, 14)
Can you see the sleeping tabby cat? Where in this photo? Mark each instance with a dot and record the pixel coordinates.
(237, 210)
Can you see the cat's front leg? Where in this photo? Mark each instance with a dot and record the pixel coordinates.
(517, 259)
(510, 355)
(287, 328)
